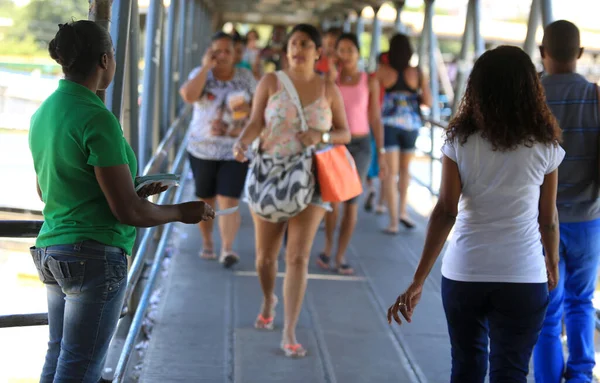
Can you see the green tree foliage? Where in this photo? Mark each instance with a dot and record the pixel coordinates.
(6, 8)
(36, 23)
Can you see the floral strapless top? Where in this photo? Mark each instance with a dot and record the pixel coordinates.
(279, 138)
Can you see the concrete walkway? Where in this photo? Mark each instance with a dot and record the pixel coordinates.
(204, 330)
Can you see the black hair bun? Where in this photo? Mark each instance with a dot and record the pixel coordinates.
(66, 46)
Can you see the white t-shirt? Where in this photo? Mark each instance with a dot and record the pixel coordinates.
(213, 104)
(496, 236)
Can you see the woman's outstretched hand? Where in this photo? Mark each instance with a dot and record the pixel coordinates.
(194, 212)
(152, 189)
(405, 304)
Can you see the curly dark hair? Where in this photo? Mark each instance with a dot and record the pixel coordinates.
(505, 101)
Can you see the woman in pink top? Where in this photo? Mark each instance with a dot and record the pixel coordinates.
(360, 93)
(282, 138)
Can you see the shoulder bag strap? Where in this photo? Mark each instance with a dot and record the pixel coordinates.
(291, 89)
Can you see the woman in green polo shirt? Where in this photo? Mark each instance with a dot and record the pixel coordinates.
(85, 176)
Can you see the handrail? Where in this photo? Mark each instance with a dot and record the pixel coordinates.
(30, 229)
(20, 229)
(136, 268)
(168, 140)
(429, 154)
(23, 320)
(138, 318)
(439, 124)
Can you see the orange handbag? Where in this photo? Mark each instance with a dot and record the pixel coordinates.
(337, 175)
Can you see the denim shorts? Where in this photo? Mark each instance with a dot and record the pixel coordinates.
(399, 139)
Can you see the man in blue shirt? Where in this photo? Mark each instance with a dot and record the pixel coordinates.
(574, 102)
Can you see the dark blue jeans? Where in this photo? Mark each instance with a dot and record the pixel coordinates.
(571, 300)
(510, 315)
(85, 283)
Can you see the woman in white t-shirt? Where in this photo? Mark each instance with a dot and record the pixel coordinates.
(498, 191)
(221, 95)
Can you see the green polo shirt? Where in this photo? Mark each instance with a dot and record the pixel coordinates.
(70, 134)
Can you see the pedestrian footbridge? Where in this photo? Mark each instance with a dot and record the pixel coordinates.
(190, 320)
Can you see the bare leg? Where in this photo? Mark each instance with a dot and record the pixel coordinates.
(302, 230)
(391, 189)
(331, 219)
(381, 200)
(206, 230)
(370, 195)
(403, 182)
(347, 228)
(228, 224)
(268, 238)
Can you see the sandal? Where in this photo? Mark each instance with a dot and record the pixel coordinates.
(208, 254)
(389, 231)
(407, 224)
(323, 261)
(263, 323)
(369, 201)
(229, 258)
(293, 350)
(380, 209)
(345, 269)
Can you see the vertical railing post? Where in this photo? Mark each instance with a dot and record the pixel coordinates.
(398, 25)
(434, 81)
(189, 35)
(547, 15)
(476, 20)
(133, 63)
(347, 23)
(181, 68)
(159, 87)
(100, 13)
(532, 25)
(463, 61)
(203, 23)
(199, 15)
(205, 32)
(359, 28)
(424, 40)
(325, 24)
(151, 63)
(119, 30)
(168, 112)
(375, 39)
(435, 107)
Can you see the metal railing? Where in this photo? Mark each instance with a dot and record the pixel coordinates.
(173, 145)
(432, 154)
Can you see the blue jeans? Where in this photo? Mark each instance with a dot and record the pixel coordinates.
(510, 315)
(85, 284)
(572, 299)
